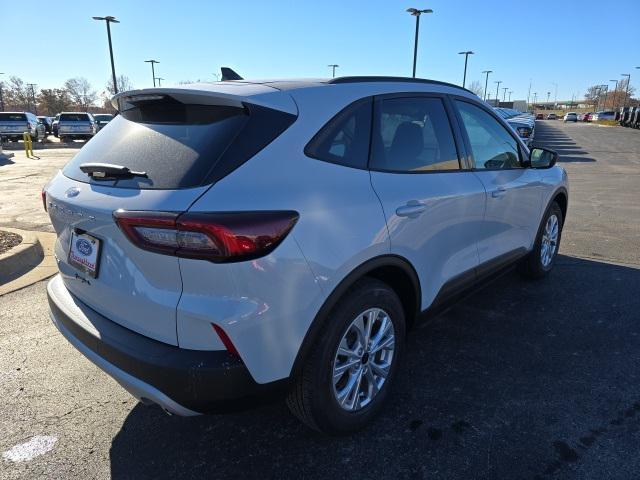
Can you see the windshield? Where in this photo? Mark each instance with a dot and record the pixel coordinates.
(74, 117)
(103, 117)
(13, 117)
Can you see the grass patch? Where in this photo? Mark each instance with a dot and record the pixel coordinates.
(608, 123)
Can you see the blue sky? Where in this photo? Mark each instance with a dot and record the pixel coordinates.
(561, 41)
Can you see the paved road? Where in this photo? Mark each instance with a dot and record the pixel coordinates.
(523, 380)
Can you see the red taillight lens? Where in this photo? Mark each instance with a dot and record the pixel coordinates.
(43, 195)
(218, 237)
(228, 344)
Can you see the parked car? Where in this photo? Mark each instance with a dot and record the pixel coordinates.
(552, 116)
(200, 277)
(523, 124)
(604, 115)
(47, 122)
(539, 116)
(76, 126)
(587, 117)
(54, 125)
(570, 117)
(14, 124)
(102, 119)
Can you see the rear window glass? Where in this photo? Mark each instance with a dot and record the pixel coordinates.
(13, 117)
(103, 118)
(176, 145)
(74, 117)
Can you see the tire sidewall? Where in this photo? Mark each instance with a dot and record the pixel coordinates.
(332, 417)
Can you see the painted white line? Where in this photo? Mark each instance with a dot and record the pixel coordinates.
(38, 445)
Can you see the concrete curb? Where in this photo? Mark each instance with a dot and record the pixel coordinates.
(29, 262)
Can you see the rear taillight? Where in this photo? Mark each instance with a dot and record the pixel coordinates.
(43, 195)
(218, 237)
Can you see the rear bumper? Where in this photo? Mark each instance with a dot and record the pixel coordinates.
(184, 382)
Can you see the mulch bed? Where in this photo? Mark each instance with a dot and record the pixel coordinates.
(8, 240)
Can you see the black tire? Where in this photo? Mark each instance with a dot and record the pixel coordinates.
(311, 398)
(532, 265)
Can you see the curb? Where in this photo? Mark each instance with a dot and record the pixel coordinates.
(22, 257)
(29, 262)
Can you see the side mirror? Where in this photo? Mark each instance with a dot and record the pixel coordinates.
(542, 158)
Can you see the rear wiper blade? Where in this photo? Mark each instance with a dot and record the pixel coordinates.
(100, 171)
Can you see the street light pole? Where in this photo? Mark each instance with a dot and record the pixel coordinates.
(510, 92)
(535, 99)
(628, 75)
(504, 93)
(33, 96)
(497, 88)
(109, 20)
(606, 94)
(159, 81)
(153, 71)
(333, 67)
(555, 98)
(548, 95)
(416, 13)
(1, 96)
(615, 93)
(486, 81)
(466, 58)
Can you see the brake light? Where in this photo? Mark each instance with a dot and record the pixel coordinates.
(217, 237)
(43, 195)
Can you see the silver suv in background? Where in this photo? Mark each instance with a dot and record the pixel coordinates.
(102, 119)
(76, 126)
(14, 124)
(221, 243)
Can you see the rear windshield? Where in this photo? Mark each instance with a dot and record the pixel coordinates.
(74, 117)
(13, 117)
(175, 147)
(103, 118)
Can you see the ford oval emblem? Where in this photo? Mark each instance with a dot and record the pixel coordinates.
(84, 247)
(72, 192)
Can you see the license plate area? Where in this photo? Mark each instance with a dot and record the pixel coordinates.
(84, 252)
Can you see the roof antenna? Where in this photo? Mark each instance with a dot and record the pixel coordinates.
(229, 74)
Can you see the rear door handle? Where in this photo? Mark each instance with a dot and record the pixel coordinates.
(499, 192)
(412, 209)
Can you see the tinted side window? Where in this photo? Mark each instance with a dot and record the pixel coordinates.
(413, 135)
(492, 146)
(345, 139)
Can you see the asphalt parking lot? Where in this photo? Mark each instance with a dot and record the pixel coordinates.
(521, 380)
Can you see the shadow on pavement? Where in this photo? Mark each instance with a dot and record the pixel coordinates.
(550, 137)
(511, 383)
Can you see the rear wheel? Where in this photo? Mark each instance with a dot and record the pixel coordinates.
(347, 377)
(541, 259)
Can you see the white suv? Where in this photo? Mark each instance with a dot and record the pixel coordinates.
(220, 243)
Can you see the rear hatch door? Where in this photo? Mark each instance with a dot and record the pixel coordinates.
(176, 145)
(13, 123)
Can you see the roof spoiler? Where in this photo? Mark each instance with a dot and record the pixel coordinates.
(229, 74)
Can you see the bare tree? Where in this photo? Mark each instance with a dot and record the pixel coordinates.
(124, 84)
(17, 95)
(80, 92)
(476, 87)
(52, 101)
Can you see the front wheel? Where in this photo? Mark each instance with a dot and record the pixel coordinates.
(541, 259)
(348, 374)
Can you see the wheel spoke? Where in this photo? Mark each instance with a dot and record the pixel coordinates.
(385, 344)
(339, 370)
(373, 384)
(381, 371)
(354, 395)
(371, 318)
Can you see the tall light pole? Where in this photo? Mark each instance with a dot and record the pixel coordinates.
(466, 58)
(615, 93)
(510, 92)
(628, 75)
(548, 95)
(333, 67)
(555, 98)
(606, 94)
(1, 97)
(535, 99)
(504, 93)
(498, 82)
(529, 92)
(416, 13)
(159, 81)
(486, 81)
(153, 71)
(33, 96)
(109, 20)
